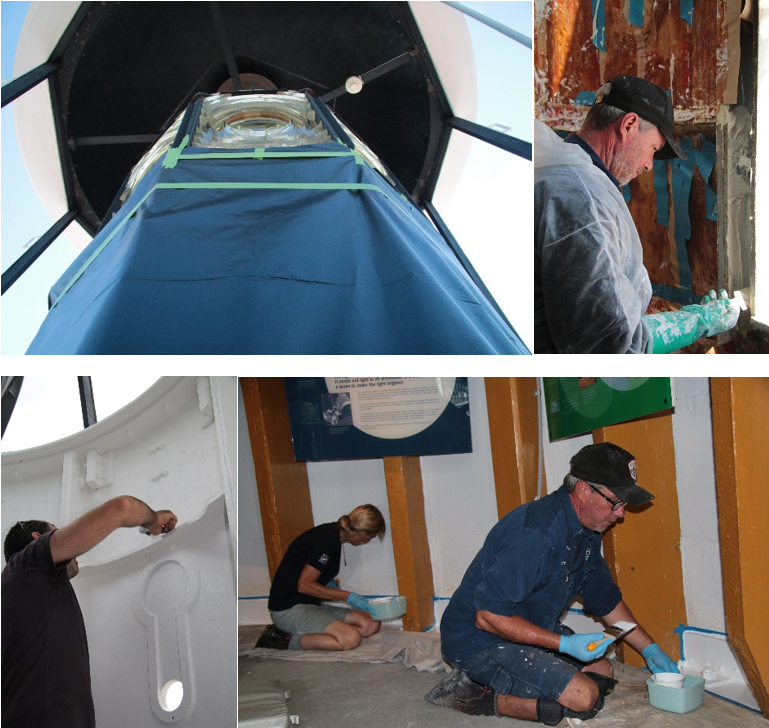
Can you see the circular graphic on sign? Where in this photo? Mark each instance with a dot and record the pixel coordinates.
(624, 384)
(391, 407)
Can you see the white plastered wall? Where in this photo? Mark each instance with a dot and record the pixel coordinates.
(169, 448)
(460, 509)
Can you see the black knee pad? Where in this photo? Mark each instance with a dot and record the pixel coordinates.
(585, 714)
(551, 712)
(604, 684)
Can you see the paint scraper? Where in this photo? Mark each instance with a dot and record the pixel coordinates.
(617, 631)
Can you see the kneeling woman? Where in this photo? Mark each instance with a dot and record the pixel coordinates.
(304, 580)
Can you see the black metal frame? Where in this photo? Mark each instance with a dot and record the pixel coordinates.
(19, 267)
(87, 403)
(11, 388)
(229, 56)
(491, 136)
(391, 65)
(19, 86)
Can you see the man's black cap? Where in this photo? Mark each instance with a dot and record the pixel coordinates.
(609, 465)
(650, 102)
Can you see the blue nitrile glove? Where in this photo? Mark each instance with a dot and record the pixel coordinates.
(333, 584)
(657, 660)
(576, 645)
(359, 602)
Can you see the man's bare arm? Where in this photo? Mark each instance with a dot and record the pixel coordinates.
(93, 527)
(517, 629)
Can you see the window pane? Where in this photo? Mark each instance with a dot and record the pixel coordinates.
(485, 196)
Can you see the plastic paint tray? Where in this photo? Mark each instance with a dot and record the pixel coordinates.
(388, 608)
(677, 700)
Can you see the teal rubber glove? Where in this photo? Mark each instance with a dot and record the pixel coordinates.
(356, 601)
(333, 584)
(576, 645)
(657, 660)
(673, 330)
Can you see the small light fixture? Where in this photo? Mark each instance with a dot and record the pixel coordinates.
(353, 85)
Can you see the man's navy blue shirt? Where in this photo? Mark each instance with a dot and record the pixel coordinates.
(533, 564)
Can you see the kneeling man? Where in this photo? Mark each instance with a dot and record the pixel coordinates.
(502, 628)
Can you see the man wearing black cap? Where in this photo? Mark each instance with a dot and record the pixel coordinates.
(591, 289)
(502, 628)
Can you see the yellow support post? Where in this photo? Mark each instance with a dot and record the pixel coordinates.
(405, 496)
(282, 484)
(740, 414)
(644, 550)
(512, 410)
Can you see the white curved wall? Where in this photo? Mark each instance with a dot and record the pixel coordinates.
(171, 448)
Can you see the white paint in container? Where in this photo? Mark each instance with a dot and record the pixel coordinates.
(669, 679)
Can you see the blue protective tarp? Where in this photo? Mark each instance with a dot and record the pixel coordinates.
(269, 271)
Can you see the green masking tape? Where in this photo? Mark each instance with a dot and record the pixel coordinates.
(172, 155)
(215, 186)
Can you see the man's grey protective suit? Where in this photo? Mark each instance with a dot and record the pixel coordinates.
(591, 289)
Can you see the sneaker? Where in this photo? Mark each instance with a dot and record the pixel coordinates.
(459, 692)
(273, 638)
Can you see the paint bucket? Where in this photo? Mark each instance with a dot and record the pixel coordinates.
(689, 696)
(388, 608)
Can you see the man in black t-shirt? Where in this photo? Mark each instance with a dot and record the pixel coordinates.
(45, 670)
(305, 580)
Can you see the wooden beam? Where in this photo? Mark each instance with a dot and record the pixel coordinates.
(405, 496)
(282, 484)
(740, 410)
(513, 430)
(643, 551)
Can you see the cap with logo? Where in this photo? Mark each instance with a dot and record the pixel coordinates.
(609, 465)
(650, 102)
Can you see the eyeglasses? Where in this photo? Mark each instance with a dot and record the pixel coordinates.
(615, 504)
(21, 525)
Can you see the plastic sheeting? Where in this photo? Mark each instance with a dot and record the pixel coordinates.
(226, 254)
(417, 650)
(262, 704)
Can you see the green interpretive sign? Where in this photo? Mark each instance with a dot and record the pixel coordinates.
(576, 405)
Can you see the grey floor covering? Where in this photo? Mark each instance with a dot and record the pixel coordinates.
(390, 695)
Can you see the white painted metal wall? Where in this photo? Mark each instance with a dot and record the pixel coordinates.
(460, 509)
(158, 606)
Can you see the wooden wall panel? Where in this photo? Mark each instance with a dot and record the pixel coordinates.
(643, 551)
(689, 60)
(512, 410)
(282, 484)
(740, 420)
(413, 565)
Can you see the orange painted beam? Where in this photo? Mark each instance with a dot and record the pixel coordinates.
(413, 566)
(513, 430)
(282, 484)
(740, 408)
(644, 549)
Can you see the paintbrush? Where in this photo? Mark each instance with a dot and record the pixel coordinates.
(617, 631)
